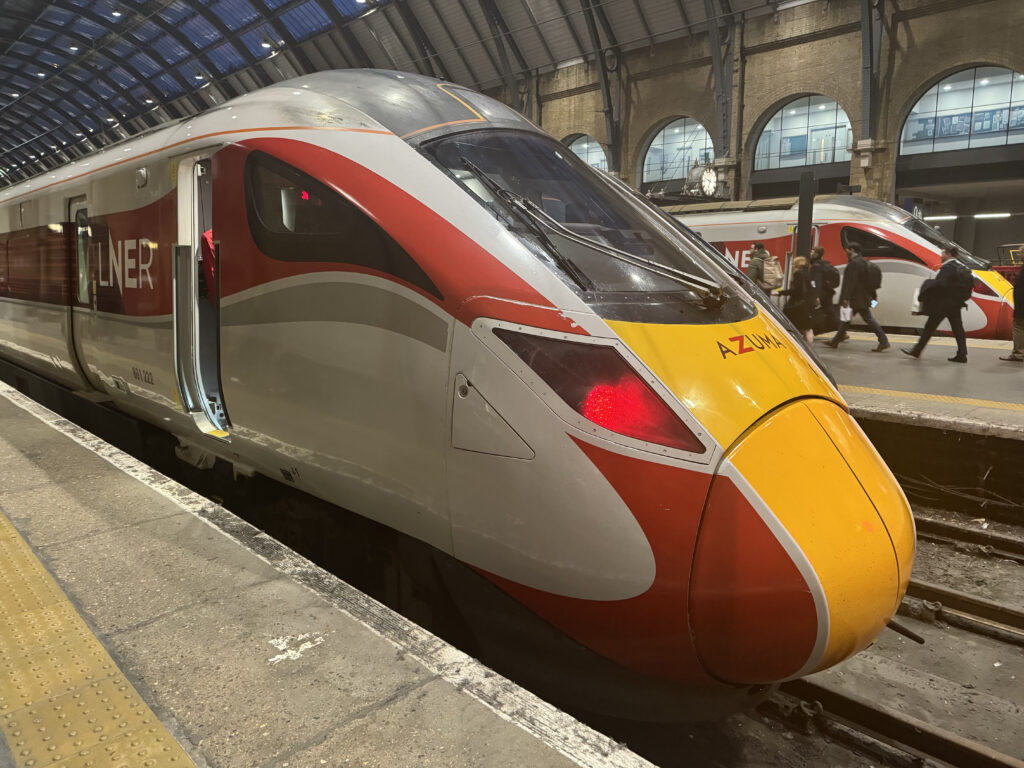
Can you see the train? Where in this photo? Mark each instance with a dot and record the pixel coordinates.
(906, 248)
(401, 296)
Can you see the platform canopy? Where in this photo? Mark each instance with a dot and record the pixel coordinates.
(78, 75)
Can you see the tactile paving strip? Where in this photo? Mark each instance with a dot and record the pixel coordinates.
(63, 701)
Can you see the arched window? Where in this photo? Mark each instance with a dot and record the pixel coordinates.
(980, 107)
(813, 130)
(678, 147)
(589, 150)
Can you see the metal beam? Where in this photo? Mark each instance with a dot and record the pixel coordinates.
(611, 123)
(455, 46)
(422, 40)
(871, 53)
(721, 68)
(491, 14)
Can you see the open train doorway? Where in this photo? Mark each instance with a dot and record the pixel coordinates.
(197, 299)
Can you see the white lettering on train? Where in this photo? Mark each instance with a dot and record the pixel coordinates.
(127, 263)
(740, 258)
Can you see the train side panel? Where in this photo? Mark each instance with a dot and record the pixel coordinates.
(36, 288)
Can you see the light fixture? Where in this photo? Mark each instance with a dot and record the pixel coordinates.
(947, 87)
(266, 43)
(40, 74)
(149, 101)
(199, 75)
(116, 14)
(73, 48)
(110, 120)
(991, 215)
(792, 111)
(985, 81)
(950, 217)
(15, 95)
(821, 106)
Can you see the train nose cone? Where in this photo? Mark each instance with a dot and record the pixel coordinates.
(804, 550)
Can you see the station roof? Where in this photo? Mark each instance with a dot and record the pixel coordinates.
(79, 75)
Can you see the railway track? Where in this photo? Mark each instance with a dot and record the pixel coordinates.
(893, 737)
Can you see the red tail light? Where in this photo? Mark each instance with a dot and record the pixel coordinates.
(980, 286)
(599, 385)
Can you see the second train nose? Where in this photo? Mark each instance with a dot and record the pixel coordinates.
(804, 550)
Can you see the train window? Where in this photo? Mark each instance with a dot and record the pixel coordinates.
(82, 248)
(294, 217)
(875, 247)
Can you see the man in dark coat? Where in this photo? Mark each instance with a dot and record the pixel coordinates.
(857, 295)
(941, 299)
(1017, 356)
(823, 277)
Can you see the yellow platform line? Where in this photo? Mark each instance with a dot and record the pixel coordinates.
(933, 398)
(63, 701)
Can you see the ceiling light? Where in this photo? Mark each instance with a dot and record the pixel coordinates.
(110, 119)
(985, 81)
(199, 75)
(947, 87)
(15, 95)
(73, 48)
(792, 111)
(821, 106)
(950, 217)
(116, 14)
(991, 215)
(40, 74)
(149, 101)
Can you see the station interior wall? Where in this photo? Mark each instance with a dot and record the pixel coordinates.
(814, 48)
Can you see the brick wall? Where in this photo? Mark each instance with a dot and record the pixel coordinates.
(811, 49)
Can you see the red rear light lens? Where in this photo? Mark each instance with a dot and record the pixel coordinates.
(980, 286)
(599, 385)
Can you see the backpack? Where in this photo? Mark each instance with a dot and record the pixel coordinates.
(829, 275)
(964, 285)
(772, 274)
(874, 276)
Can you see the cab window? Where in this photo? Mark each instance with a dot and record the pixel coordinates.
(875, 247)
(294, 217)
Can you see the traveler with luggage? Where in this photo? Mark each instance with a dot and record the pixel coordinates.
(943, 298)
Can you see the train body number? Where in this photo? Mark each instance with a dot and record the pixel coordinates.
(141, 374)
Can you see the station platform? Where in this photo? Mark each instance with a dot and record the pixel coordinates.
(983, 397)
(144, 625)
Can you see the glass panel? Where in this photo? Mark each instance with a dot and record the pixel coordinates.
(811, 130)
(676, 148)
(589, 150)
(82, 244)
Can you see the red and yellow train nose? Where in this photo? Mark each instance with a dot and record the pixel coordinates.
(804, 550)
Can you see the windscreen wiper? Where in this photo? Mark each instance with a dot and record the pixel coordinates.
(704, 287)
(511, 200)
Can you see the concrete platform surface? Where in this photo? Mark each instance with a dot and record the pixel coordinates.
(248, 654)
(985, 396)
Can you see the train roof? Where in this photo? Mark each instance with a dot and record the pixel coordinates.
(415, 108)
(858, 207)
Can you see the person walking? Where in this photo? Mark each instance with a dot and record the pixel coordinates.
(1017, 356)
(764, 269)
(943, 298)
(824, 280)
(803, 298)
(857, 294)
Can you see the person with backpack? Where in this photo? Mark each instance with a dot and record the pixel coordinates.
(825, 280)
(764, 269)
(861, 282)
(943, 298)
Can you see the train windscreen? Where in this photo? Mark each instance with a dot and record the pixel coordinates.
(612, 248)
(935, 237)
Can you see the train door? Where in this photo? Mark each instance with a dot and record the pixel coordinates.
(83, 290)
(196, 303)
